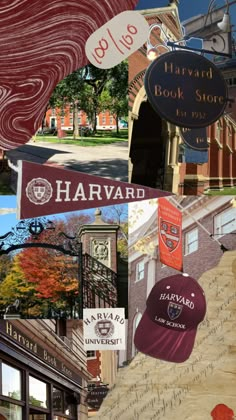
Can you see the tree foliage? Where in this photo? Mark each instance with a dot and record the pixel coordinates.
(93, 90)
(5, 266)
(46, 281)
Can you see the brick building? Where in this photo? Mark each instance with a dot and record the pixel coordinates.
(102, 365)
(156, 159)
(201, 252)
(56, 120)
(43, 370)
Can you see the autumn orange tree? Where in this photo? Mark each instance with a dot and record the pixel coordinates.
(45, 280)
(53, 274)
(14, 286)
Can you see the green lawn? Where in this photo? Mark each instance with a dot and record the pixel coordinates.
(225, 191)
(102, 137)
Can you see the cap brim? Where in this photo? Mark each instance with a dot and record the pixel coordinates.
(163, 343)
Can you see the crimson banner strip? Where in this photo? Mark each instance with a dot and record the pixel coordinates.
(45, 190)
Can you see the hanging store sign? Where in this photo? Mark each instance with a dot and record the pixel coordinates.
(170, 234)
(195, 156)
(104, 329)
(195, 138)
(96, 396)
(43, 190)
(186, 89)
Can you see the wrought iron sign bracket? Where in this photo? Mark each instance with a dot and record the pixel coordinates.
(202, 51)
(28, 234)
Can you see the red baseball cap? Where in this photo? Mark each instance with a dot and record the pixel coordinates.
(167, 330)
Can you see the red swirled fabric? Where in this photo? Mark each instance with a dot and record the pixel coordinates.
(41, 42)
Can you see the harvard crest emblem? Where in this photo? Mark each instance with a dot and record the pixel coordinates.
(174, 310)
(39, 191)
(104, 328)
(170, 234)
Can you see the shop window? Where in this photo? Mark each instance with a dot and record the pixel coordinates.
(70, 407)
(10, 411)
(91, 354)
(57, 398)
(64, 403)
(136, 321)
(37, 393)
(225, 222)
(191, 241)
(61, 329)
(11, 382)
(140, 271)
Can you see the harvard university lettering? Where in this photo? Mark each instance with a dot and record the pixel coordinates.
(186, 89)
(104, 329)
(60, 190)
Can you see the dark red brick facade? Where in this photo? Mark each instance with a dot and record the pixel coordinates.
(196, 263)
(155, 159)
(94, 365)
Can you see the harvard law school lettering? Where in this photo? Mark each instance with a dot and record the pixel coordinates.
(176, 298)
(186, 89)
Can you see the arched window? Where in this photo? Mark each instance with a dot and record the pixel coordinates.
(136, 321)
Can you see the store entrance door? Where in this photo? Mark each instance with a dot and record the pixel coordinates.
(36, 415)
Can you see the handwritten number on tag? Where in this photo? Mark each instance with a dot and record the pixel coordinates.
(100, 51)
(103, 45)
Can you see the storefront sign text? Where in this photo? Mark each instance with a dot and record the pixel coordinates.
(34, 348)
(186, 89)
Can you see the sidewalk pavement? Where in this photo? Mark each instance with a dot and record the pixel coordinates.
(108, 161)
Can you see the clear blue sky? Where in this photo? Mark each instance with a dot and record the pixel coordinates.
(187, 8)
(7, 220)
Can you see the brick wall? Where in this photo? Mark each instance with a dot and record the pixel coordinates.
(195, 264)
(94, 365)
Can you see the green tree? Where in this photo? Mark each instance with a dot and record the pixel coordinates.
(118, 90)
(73, 91)
(5, 266)
(118, 214)
(110, 91)
(96, 78)
(15, 286)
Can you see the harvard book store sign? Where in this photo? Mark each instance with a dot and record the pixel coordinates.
(186, 89)
(104, 329)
